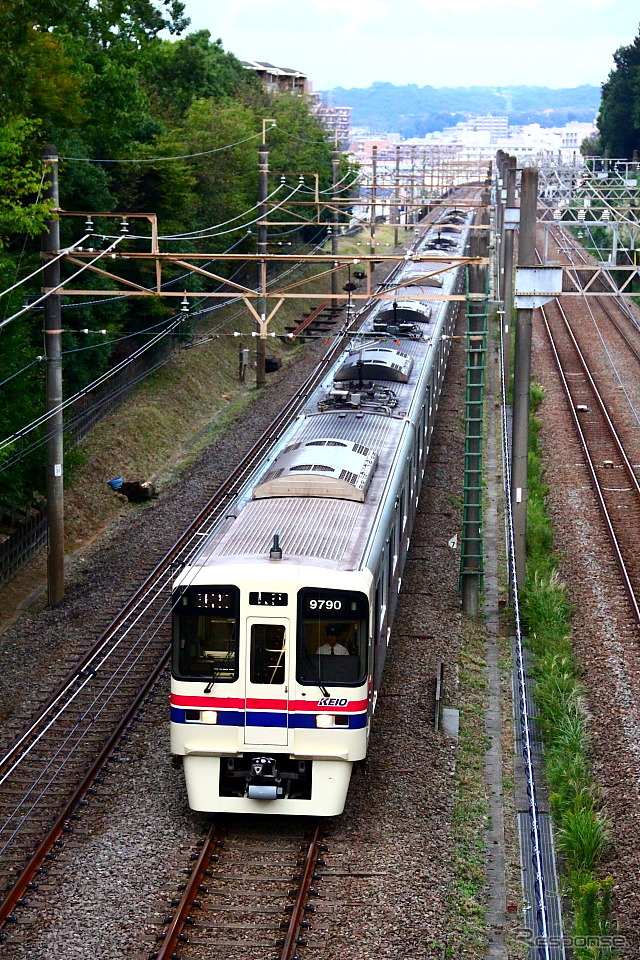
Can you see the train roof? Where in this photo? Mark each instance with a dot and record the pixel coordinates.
(323, 486)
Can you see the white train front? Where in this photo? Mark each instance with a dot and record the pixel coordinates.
(282, 621)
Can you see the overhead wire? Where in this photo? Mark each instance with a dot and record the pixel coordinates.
(193, 234)
(167, 283)
(26, 237)
(185, 156)
(61, 285)
(220, 233)
(39, 421)
(63, 253)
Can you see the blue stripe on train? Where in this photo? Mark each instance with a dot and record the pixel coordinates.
(226, 718)
(300, 721)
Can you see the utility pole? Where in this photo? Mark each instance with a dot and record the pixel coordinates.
(396, 209)
(507, 261)
(413, 184)
(263, 192)
(522, 376)
(335, 219)
(53, 353)
(374, 190)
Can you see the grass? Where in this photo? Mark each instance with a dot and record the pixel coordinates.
(582, 832)
(466, 908)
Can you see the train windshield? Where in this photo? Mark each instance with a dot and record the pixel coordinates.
(332, 637)
(205, 633)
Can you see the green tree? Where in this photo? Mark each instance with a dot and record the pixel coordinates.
(619, 116)
(21, 210)
(180, 72)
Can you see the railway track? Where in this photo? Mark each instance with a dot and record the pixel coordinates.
(614, 479)
(46, 773)
(249, 893)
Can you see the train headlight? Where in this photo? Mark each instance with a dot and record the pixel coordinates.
(208, 716)
(325, 720)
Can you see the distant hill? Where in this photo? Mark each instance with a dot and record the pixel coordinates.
(413, 111)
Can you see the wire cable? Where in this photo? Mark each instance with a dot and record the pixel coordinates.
(44, 266)
(39, 421)
(221, 233)
(186, 156)
(18, 372)
(62, 284)
(193, 234)
(292, 136)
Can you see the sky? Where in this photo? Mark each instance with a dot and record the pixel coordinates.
(439, 43)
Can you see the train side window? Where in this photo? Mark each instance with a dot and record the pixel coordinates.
(268, 644)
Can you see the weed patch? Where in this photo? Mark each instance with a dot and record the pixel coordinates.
(581, 828)
(470, 807)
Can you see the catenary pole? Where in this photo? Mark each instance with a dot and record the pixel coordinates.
(374, 191)
(335, 219)
(522, 375)
(53, 354)
(263, 192)
(396, 208)
(507, 260)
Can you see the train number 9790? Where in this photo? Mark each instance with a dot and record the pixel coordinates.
(325, 604)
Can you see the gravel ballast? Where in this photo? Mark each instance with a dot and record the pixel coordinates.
(104, 895)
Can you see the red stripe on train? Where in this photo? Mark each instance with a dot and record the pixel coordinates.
(253, 703)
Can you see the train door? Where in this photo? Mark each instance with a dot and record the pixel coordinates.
(267, 682)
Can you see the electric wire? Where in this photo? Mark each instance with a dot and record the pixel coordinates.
(221, 233)
(18, 372)
(61, 285)
(193, 234)
(58, 256)
(186, 156)
(173, 325)
(167, 283)
(39, 421)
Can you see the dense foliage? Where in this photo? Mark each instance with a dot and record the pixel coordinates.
(96, 78)
(413, 111)
(619, 117)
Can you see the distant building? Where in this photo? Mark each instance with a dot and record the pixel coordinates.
(278, 79)
(480, 130)
(334, 119)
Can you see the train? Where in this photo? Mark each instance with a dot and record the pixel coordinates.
(282, 619)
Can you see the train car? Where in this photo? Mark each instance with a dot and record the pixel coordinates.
(282, 620)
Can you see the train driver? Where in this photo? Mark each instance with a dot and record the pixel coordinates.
(334, 633)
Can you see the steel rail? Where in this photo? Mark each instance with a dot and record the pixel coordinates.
(286, 946)
(14, 896)
(541, 909)
(210, 513)
(193, 885)
(292, 937)
(150, 585)
(629, 589)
